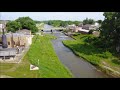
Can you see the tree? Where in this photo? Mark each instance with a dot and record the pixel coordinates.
(27, 23)
(13, 26)
(22, 23)
(76, 23)
(85, 21)
(88, 21)
(110, 30)
(91, 21)
(99, 21)
(58, 23)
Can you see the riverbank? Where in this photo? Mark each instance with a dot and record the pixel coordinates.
(104, 60)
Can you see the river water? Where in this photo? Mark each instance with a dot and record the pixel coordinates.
(80, 68)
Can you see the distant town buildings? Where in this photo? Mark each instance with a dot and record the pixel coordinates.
(83, 28)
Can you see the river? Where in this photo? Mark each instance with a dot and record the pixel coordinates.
(80, 68)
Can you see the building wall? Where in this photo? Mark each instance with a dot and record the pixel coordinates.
(18, 40)
(28, 40)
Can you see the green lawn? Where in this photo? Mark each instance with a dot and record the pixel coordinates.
(41, 54)
(94, 55)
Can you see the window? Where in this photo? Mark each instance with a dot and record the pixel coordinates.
(8, 43)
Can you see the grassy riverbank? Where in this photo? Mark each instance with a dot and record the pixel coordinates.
(41, 54)
(103, 59)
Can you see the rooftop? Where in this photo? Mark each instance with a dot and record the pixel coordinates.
(24, 31)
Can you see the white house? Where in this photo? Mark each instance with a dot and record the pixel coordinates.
(71, 26)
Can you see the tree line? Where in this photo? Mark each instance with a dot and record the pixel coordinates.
(58, 23)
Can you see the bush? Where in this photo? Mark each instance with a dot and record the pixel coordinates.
(65, 30)
(116, 61)
(90, 39)
(105, 55)
(90, 32)
(97, 42)
(76, 34)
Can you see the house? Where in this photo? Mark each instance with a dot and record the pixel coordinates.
(71, 27)
(79, 29)
(83, 31)
(83, 28)
(24, 31)
(20, 38)
(80, 25)
(76, 29)
(90, 27)
(87, 26)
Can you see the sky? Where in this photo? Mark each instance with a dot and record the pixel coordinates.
(40, 16)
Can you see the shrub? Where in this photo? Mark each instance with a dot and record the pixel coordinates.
(116, 61)
(76, 34)
(105, 55)
(90, 32)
